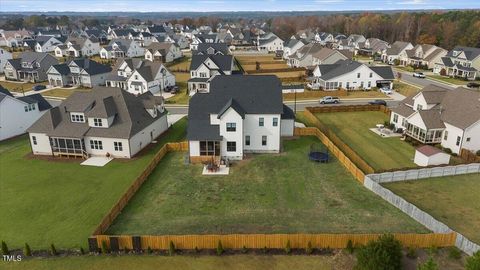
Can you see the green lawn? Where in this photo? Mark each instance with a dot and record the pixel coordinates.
(14, 86)
(405, 89)
(380, 153)
(269, 193)
(238, 262)
(453, 200)
(449, 79)
(62, 92)
(59, 201)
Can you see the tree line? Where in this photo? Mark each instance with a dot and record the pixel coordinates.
(441, 28)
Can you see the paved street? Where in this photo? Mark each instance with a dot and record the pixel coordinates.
(408, 78)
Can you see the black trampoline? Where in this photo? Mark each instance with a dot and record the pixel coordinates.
(318, 153)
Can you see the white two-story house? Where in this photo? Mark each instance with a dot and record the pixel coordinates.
(78, 47)
(438, 115)
(164, 52)
(19, 113)
(78, 72)
(48, 43)
(104, 122)
(203, 67)
(239, 115)
(120, 48)
(396, 51)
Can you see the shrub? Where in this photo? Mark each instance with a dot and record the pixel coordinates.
(171, 248)
(430, 264)
(447, 150)
(82, 251)
(5, 250)
(265, 249)
(149, 250)
(384, 253)
(104, 247)
(244, 249)
(219, 248)
(196, 249)
(454, 154)
(288, 249)
(411, 252)
(350, 247)
(454, 253)
(473, 263)
(27, 251)
(309, 249)
(53, 250)
(433, 250)
(478, 153)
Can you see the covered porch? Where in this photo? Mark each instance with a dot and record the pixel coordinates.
(28, 75)
(431, 136)
(69, 147)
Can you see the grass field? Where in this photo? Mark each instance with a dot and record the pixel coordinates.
(238, 262)
(58, 201)
(405, 89)
(449, 80)
(453, 200)
(63, 92)
(283, 193)
(378, 152)
(19, 86)
(181, 64)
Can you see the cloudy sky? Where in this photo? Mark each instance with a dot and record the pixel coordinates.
(230, 5)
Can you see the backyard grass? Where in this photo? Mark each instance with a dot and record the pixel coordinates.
(366, 94)
(269, 193)
(238, 262)
(14, 86)
(454, 200)
(181, 97)
(59, 201)
(405, 89)
(380, 153)
(62, 92)
(449, 79)
(180, 64)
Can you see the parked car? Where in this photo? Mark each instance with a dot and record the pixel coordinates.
(175, 89)
(418, 75)
(386, 90)
(473, 85)
(329, 100)
(38, 87)
(378, 102)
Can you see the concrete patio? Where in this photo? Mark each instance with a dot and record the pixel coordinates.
(96, 161)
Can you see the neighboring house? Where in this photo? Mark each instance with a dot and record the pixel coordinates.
(165, 52)
(48, 43)
(95, 34)
(4, 56)
(181, 41)
(142, 38)
(204, 67)
(18, 114)
(270, 43)
(239, 115)
(463, 62)
(78, 47)
(156, 30)
(79, 72)
(212, 48)
(29, 67)
(104, 122)
(150, 77)
(120, 33)
(372, 46)
(315, 54)
(354, 41)
(137, 76)
(120, 48)
(424, 55)
(201, 38)
(396, 51)
(438, 115)
(291, 46)
(14, 38)
(351, 75)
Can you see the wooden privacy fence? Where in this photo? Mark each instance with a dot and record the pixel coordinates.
(122, 202)
(469, 156)
(334, 149)
(315, 94)
(348, 108)
(259, 241)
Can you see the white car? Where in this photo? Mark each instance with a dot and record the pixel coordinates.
(418, 75)
(386, 90)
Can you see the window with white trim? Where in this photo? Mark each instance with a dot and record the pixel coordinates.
(34, 140)
(264, 140)
(261, 121)
(231, 146)
(247, 140)
(77, 118)
(97, 122)
(275, 121)
(231, 127)
(395, 118)
(95, 144)
(118, 146)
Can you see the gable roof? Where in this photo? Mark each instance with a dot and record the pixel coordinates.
(428, 150)
(218, 47)
(224, 62)
(470, 52)
(5, 91)
(341, 67)
(130, 113)
(247, 94)
(397, 47)
(42, 103)
(91, 67)
(385, 72)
